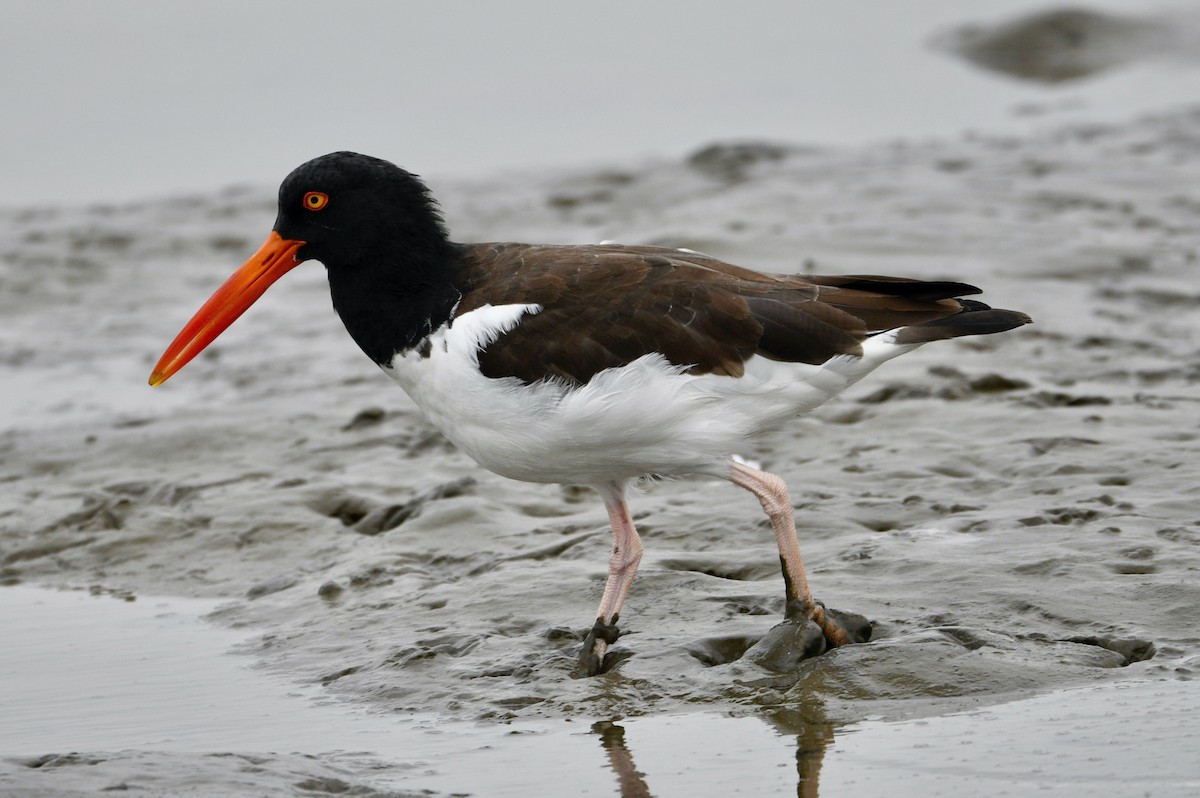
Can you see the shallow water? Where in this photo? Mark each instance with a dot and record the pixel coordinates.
(157, 699)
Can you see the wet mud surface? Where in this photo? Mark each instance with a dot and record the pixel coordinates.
(1016, 515)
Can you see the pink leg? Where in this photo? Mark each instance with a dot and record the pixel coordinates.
(772, 494)
(622, 567)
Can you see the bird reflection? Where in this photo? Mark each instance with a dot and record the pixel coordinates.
(630, 780)
(814, 734)
(806, 720)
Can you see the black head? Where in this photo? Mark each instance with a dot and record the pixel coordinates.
(380, 236)
(353, 209)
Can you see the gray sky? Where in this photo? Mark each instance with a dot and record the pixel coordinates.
(128, 98)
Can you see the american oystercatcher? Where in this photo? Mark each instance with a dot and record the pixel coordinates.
(590, 365)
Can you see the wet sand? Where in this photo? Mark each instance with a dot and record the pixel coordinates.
(1018, 515)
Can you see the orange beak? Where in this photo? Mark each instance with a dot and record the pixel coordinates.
(274, 259)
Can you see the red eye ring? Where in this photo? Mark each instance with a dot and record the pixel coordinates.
(315, 200)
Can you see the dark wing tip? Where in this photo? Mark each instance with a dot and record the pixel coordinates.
(976, 319)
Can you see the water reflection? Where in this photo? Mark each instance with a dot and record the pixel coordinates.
(630, 781)
(814, 735)
(805, 721)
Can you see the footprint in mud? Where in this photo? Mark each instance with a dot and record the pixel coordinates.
(369, 517)
(1130, 649)
(723, 649)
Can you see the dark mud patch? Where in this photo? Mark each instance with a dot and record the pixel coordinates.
(1061, 45)
(735, 161)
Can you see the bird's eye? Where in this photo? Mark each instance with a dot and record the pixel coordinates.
(316, 200)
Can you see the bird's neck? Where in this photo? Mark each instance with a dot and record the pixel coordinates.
(391, 307)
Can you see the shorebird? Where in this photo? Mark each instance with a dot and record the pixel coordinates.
(594, 364)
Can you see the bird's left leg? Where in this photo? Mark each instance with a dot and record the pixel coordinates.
(772, 494)
(622, 567)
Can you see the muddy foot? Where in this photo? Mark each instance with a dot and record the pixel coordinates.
(593, 658)
(838, 627)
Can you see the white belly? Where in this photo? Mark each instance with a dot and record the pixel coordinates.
(644, 418)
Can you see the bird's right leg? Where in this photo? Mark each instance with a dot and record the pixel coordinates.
(622, 567)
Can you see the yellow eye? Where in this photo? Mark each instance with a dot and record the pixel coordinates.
(316, 200)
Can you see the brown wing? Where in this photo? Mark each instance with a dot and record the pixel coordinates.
(606, 306)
